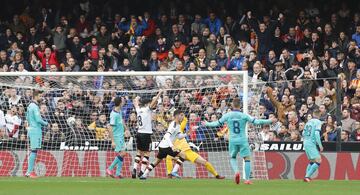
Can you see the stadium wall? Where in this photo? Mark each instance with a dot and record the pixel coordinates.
(281, 165)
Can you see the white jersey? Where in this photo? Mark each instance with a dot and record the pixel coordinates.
(171, 135)
(11, 122)
(144, 120)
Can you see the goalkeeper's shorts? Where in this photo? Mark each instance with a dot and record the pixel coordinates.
(191, 155)
(242, 148)
(35, 141)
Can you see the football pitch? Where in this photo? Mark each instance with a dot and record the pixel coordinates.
(107, 186)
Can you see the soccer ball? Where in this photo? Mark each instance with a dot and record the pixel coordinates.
(71, 121)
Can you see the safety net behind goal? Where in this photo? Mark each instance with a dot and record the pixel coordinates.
(77, 106)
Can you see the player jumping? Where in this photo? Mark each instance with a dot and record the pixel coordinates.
(190, 155)
(35, 123)
(143, 109)
(166, 145)
(311, 136)
(117, 139)
(238, 141)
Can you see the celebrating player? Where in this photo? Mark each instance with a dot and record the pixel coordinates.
(311, 136)
(117, 139)
(166, 145)
(190, 155)
(143, 108)
(238, 141)
(35, 123)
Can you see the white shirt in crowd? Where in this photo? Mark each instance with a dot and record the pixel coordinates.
(11, 122)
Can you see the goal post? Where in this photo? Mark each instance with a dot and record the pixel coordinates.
(77, 106)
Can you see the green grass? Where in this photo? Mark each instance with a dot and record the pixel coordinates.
(107, 186)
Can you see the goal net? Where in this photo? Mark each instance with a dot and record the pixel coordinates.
(77, 107)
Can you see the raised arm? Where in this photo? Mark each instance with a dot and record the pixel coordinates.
(183, 124)
(269, 92)
(260, 121)
(155, 99)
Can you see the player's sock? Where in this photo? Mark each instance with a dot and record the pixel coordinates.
(312, 170)
(211, 168)
(178, 164)
(119, 165)
(115, 162)
(136, 161)
(234, 164)
(247, 169)
(308, 167)
(148, 170)
(144, 163)
(31, 161)
(169, 164)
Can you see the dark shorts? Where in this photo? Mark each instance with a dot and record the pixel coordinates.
(143, 141)
(163, 152)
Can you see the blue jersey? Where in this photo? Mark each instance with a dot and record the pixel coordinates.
(236, 122)
(116, 121)
(34, 119)
(311, 133)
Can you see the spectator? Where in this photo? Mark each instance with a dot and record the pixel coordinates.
(54, 134)
(213, 23)
(329, 129)
(236, 62)
(344, 136)
(14, 99)
(348, 124)
(355, 135)
(356, 36)
(281, 107)
(13, 122)
(134, 28)
(99, 127)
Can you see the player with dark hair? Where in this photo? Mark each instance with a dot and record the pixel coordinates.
(166, 145)
(35, 122)
(143, 107)
(117, 138)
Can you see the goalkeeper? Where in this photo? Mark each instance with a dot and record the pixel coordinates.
(191, 156)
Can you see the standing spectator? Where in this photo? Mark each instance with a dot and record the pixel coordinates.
(283, 107)
(14, 98)
(197, 27)
(214, 23)
(47, 59)
(151, 26)
(134, 28)
(348, 124)
(356, 35)
(13, 123)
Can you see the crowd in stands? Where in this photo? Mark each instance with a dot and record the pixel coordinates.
(309, 57)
